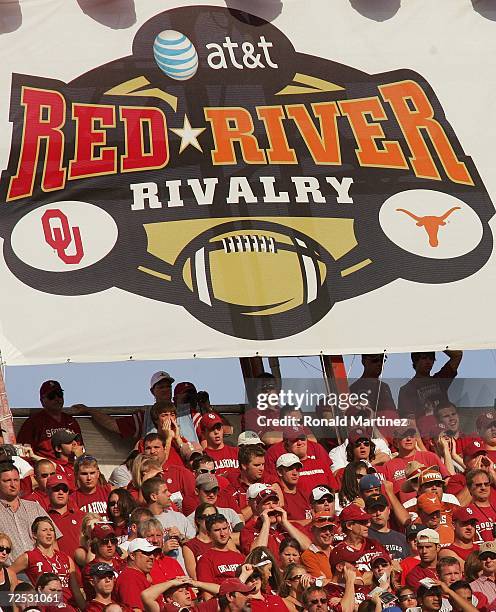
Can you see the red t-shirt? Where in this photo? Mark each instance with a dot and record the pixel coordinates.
(297, 506)
(335, 590)
(417, 573)
(252, 530)
(234, 494)
(363, 554)
(316, 468)
(218, 565)
(394, 470)
(270, 602)
(69, 525)
(39, 496)
(463, 553)
(131, 426)
(129, 585)
(93, 502)
(486, 518)
(197, 547)
(178, 478)
(225, 459)
(165, 568)
(58, 563)
(39, 428)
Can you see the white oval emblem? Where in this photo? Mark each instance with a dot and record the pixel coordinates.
(430, 223)
(64, 236)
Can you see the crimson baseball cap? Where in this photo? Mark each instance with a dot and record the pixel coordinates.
(55, 480)
(264, 495)
(50, 385)
(485, 419)
(464, 515)
(359, 434)
(343, 552)
(379, 555)
(473, 450)
(102, 530)
(294, 433)
(234, 585)
(184, 387)
(353, 512)
(210, 420)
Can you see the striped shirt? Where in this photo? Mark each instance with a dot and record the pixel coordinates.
(18, 524)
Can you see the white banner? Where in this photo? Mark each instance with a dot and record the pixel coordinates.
(185, 179)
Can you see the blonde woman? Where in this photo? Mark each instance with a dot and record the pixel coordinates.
(82, 554)
(8, 579)
(144, 467)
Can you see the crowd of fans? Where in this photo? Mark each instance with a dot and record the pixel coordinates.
(399, 518)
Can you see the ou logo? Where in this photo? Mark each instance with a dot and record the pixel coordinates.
(64, 236)
(60, 238)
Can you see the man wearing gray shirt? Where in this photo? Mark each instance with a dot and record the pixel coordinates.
(157, 497)
(17, 515)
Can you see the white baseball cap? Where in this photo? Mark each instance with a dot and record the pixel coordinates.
(158, 376)
(320, 492)
(248, 437)
(141, 544)
(427, 536)
(255, 488)
(288, 460)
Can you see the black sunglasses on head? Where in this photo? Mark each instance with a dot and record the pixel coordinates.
(60, 487)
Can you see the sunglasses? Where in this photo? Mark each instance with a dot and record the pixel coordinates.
(406, 597)
(213, 491)
(487, 556)
(205, 516)
(150, 553)
(5, 549)
(361, 443)
(53, 394)
(481, 484)
(363, 523)
(205, 471)
(298, 577)
(113, 503)
(61, 487)
(110, 540)
(321, 600)
(47, 475)
(410, 433)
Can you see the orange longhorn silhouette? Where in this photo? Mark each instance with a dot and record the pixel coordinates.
(431, 223)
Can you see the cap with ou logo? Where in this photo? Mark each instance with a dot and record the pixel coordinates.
(343, 553)
(265, 495)
(473, 450)
(319, 492)
(353, 512)
(255, 488)
(248, 437)
(210, 420)
(102, 531)
(55, 480)
(288, 460)
(427, 536)
(485, 419)
(158, 377)
(487, 547)
(429, 503)
(464, 515)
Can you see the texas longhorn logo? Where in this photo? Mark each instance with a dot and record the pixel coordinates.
(254, 185)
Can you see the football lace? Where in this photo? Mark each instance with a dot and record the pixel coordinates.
(249, 243)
